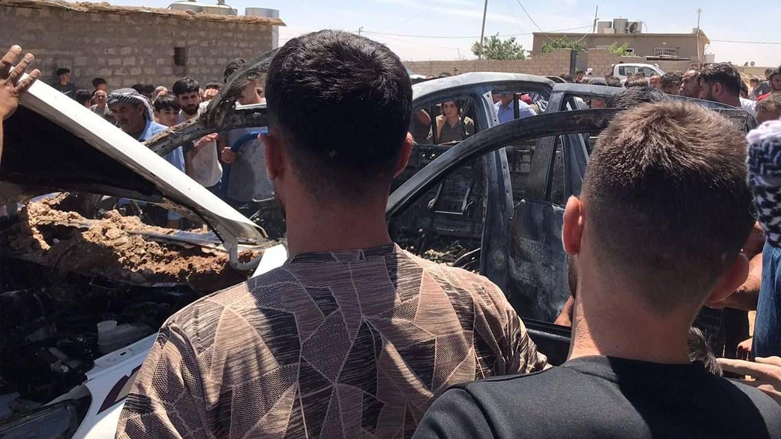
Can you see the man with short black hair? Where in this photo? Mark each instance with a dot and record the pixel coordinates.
(721, 82)
(579, 76)
(648, 255)
(671, 83)
(63, 84)
(352, 336)
(83, 97)
(634, 96)
(167, 110)
(201, 157)
(100, 84)
(690, 86)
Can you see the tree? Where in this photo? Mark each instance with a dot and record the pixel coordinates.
(495, 48)
(622, 50)
(562, 43)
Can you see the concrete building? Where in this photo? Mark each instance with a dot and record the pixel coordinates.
(667, 45)
(129, 45)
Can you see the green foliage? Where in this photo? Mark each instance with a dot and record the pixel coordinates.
(562, 43)
(495, 48)
(622, 50)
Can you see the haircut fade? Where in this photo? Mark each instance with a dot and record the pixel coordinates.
(667, 200)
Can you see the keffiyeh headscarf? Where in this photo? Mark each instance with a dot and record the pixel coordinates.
(764, 168)
(130, 96)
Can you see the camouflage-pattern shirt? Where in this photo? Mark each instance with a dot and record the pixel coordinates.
(353, 344)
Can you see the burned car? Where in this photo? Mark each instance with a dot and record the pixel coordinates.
(494, 202)
(83, 290)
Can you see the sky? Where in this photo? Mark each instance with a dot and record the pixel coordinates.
(450, 27)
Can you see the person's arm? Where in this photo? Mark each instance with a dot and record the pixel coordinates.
(454, 415)
(170, 377)
(11, 88)
(765, 371)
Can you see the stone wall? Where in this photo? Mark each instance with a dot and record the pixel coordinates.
(126, 49)
(550, 64)
(554, 63)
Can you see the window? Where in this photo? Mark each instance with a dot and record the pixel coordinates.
(666, 51)
(180, 56)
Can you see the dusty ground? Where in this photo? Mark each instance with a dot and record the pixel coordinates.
(111, 247)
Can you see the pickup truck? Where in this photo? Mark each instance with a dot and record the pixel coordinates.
(622, 71)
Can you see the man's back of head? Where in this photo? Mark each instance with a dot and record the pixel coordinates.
(667, 202)
(664, 212)
(342, 104)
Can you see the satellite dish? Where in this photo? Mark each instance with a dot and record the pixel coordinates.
(633, 28)
(752, 63)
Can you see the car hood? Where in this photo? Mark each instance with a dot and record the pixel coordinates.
(54, 144)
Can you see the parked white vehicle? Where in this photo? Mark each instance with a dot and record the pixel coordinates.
(52, 143)
(622, 71)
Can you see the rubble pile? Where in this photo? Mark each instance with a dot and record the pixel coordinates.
(114, 247)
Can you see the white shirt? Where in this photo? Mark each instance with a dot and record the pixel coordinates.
(207, 169)
(749, 105)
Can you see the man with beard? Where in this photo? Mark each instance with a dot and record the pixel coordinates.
(721, 83)
(690, 87)
(201, 157)
(134, 115)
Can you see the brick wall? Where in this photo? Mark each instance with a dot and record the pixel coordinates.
(126, 49)
(553, 63)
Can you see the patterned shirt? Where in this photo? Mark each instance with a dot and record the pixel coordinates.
(347, 344)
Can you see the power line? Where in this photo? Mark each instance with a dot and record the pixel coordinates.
(466, 37)
(530, 17)
(745, 42)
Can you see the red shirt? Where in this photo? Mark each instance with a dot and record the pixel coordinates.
(764, 96)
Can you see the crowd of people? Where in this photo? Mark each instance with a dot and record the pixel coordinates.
(354, 337)
(145, 110)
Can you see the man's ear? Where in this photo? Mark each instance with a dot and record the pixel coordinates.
(572, 230)
(717, 89)
(406, 150)
(733, 278)
(275, 157)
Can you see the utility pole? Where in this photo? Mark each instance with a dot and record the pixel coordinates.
(482, 30)
(359, 30)
(699, 57)
(594, 30)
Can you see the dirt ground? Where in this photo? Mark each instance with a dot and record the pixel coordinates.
(112, 248)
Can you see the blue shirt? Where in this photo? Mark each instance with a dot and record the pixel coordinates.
(175, 157)
(506, 114)
(767, 327)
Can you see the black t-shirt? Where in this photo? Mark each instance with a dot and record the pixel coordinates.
(601, 397)
(67, 89)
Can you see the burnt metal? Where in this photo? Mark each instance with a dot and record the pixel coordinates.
(221, 114)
